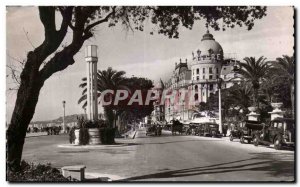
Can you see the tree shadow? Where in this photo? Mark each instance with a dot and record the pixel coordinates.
(266, 162)
(179, 141)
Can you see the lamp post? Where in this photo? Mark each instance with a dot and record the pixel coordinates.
(219, 81)
(64, 125)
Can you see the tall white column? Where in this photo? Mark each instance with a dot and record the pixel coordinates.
(88, 91)
(92, 100)
(95, 98)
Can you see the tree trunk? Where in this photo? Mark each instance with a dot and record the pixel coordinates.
(255, 98)
(109, 114)
(27, 99)
(32, 78)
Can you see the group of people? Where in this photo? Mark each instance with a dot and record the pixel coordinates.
(55, 130)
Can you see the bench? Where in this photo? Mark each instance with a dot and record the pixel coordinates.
(74, 172)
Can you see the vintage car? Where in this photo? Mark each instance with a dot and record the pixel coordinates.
(191, 130)
(209, 129)
(154, 130)
(177, 126)
(280, 132)
(235, 131)
(249, 129)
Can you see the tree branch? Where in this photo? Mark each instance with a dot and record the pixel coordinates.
(53, 38)
(14, 76)
(105, 19)
(26, 34)
(67, 18)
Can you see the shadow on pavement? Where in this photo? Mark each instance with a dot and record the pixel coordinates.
(266, 162)
(170, 142)
(98, 179)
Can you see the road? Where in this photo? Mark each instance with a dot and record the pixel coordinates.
(168, 158)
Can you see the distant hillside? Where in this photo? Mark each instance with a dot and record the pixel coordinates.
(68, 119)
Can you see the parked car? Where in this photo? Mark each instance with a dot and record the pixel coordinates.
(158, 130)
(154, 130)
(177, 126)
(235, 131)
(191, 130)
(249, 129)
(280, 132)
(209, 129)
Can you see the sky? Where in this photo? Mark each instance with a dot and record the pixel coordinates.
(137, 53)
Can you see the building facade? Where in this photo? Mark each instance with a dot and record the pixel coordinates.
(198, 79)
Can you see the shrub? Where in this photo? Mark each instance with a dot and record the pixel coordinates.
(107, 135)
(84, 136)
(91, 124)
(36, 173)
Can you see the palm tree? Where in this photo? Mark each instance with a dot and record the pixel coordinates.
(253, 72)
(106, 80)
(284, 70)
(240, 96)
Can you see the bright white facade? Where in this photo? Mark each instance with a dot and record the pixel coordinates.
(91, 74)
(206, 67)
(200, 78)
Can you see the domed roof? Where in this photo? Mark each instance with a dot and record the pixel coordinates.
(209, 46)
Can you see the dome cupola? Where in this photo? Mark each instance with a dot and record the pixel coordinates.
(209, 48)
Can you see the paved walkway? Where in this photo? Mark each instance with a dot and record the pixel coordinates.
(28, 135)
(167, 158)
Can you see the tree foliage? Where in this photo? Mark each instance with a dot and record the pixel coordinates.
(280, 81)
(115, 80)
(253, 71)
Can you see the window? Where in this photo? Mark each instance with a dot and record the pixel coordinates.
(196, 97)
(203, 70)
(196, 87)
(197, 71)
(217, 76)
(197, 78)
(210, 70)
(217, 70)
(211, 87)
(203, 76)
(210, 77)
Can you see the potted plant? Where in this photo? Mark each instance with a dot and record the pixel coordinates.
(79, 134)
(93, 133)
(107, 134)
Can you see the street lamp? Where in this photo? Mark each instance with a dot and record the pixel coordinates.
(219, 81)
(64, 125)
